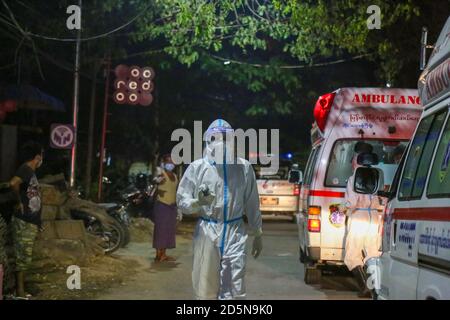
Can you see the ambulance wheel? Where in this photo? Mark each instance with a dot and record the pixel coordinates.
(312, 274)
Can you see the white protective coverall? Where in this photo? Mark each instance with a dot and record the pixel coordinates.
(363, 226)
(220, 237)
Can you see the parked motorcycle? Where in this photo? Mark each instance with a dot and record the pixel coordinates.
(139, 198)
(120, 214)
(136, 201)
(110, 231)
(107, 228)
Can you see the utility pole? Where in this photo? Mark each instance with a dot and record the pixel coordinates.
(156, 123)
(75, 104)
(105, 125)
(90, 151)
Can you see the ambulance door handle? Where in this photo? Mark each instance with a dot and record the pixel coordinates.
(394, 233)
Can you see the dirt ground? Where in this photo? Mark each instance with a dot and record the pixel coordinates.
(131, 273)
(104, 272)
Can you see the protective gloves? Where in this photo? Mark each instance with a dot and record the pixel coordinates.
(205, 196)
(257, 244)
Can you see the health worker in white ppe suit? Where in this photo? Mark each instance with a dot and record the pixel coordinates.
(365, 215)
(221, 189)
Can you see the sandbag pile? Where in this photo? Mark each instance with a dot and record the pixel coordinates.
(63, 241)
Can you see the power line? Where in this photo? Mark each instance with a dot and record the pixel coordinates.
(106, 34)
(63, 65)
(18, 27)
(257, 65)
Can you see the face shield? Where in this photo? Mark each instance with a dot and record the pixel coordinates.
(219, 142)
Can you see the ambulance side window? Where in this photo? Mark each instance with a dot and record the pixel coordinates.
(419, 157)
(310, 166)
(395, 181)
(439, 182)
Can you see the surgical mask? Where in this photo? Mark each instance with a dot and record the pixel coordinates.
(220, 152)
(169, 166)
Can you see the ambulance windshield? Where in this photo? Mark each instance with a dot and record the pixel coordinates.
(340, 163)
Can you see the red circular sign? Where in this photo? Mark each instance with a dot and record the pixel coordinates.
(133, 85)
(121, 71)
(133, 97)
(147, 86)
(145, 99)
(120, 84)
(120, 97)
(135, 72)
(148, 73)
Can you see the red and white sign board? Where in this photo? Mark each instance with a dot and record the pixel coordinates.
(434, 82)
(381, 98)
(390, 113)
(62, 136)
(133, 85)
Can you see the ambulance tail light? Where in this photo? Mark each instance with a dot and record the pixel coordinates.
(322, 109)
(314, 210)
(313, 225)
(314, 218)
(296, 190)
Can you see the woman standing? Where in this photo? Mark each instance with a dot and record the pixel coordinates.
(165, 211)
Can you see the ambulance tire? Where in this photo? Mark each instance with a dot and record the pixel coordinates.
(312, 275)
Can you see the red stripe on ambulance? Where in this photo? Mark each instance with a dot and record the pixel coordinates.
(328, 194)
(426, 214)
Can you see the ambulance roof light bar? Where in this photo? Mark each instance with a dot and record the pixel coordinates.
(322, 109)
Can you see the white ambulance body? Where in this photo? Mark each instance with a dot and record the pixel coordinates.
(415, 263)
(384, 117)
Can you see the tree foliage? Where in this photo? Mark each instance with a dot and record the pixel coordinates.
(255, 62)
(266, 42)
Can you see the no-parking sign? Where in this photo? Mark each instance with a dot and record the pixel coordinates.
(62, 136)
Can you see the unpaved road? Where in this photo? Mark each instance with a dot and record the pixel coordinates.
(276, 274)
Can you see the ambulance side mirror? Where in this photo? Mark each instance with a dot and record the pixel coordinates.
(368, 180)
(295, 176)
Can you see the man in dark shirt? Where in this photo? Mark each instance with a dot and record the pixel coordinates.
(27, 216)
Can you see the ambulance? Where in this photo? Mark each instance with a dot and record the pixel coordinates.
(415, 260)
(383, 117)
